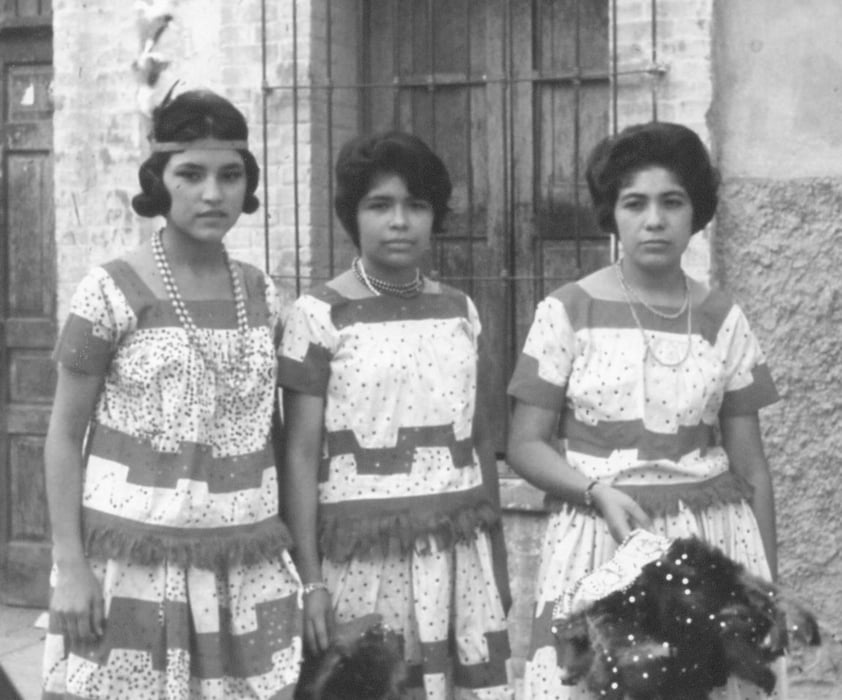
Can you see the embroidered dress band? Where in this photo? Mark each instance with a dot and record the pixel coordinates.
(665, 499)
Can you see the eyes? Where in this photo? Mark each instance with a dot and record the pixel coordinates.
(227, 176)
(672, 202)
(383, 204)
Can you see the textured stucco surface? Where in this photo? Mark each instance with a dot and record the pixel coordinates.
(777, 251)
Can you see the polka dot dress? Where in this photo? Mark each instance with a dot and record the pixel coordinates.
(180, 501)
(403, 512)
(644, 425)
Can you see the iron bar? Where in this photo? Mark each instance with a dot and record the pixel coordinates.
(469, 170)
(615, 73)
(654, 30)
(431, 49)
(329, 155)
(577, 136)
(264, 94)
(396, 67)
(460, 80)
(296, 216)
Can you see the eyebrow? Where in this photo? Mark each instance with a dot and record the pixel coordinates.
(668, 193)
(233, 165)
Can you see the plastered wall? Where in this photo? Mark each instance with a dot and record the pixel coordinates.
(778, 249)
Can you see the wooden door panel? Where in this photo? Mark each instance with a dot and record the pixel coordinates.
(27, 284)
(513, 94)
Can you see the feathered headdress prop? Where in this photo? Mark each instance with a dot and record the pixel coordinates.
(364, 662)
(673, 619)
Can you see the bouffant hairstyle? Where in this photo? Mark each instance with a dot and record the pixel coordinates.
(191, 116)
(616, 159)
(364, 158)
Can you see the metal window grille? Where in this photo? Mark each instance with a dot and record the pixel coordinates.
(513, 94)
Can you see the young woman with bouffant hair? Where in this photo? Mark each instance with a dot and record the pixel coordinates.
(655, 380)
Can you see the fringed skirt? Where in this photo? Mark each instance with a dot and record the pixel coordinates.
(445, 604)
(184, 632)
(576, 542)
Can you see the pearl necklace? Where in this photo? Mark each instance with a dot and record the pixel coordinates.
(239, 369)
(649, 350)
(378, 286)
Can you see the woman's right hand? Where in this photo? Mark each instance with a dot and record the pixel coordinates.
(318, 621)
(621, 512)
(78, 604)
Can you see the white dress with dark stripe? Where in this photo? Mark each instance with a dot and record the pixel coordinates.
(643, 426)
(404, 515)
(180, 500)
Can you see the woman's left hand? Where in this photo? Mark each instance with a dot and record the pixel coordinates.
(621, 512)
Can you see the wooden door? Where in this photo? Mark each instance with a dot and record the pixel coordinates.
(512, 94)
(27, 309)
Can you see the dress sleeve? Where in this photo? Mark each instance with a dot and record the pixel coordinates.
(306, 348)
(543, 368)
(748, 383)
(91, 332)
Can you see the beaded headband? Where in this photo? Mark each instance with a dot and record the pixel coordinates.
(203, 144)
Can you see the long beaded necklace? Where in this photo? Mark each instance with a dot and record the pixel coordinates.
(238, 370)
(649, 350)
(378, 286)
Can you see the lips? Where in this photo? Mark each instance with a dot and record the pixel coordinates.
(213, 215)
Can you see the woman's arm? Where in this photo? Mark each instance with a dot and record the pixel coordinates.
(532, 455)
(744, 446)
(303, 427)
(77, 597)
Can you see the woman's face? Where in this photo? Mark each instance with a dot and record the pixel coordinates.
(207, 188)
(654, 218)
(395, 228)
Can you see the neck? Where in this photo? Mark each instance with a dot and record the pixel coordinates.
(397, 275)
(664, 281)
(184, 251)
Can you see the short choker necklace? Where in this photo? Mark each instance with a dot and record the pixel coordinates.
(378, 286)
(237, 371)
(649, 350)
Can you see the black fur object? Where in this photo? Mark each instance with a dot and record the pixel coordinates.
(689, 620)
(364, 662)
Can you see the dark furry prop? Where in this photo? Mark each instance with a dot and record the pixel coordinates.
(689, 619)
(364, 662)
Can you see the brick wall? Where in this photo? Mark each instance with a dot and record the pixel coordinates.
(98, 135)
(100, 127)
(673, 81)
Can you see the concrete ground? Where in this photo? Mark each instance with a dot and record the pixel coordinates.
(21, 648)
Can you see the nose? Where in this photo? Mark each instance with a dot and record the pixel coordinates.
(654, 216)
(211, 191)
(399, 216)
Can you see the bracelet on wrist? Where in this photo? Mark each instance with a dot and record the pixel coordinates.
(588, 495)
(309, 588)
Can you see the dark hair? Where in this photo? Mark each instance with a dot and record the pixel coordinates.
(192, 115)
(670, 146)
(361, 159)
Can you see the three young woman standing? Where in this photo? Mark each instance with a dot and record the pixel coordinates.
(171, 573)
